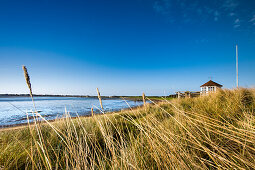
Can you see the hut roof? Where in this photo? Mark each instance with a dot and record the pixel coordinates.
(211, 83)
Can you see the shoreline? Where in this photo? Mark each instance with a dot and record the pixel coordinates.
(133, 98)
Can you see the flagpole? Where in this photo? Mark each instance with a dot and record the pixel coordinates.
(237, 83)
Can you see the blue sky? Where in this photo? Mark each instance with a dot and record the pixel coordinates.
(125, 47)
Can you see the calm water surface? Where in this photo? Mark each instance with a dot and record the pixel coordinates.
(14, 110)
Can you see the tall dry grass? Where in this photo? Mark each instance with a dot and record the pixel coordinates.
(210, 132)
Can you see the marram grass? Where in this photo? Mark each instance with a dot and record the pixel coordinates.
(27, 78)
(211, 132)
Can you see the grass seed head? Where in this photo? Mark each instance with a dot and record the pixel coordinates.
(144, 101)
(27, 78)
(100, 99)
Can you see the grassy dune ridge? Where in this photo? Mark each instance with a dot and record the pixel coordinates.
(215, 131)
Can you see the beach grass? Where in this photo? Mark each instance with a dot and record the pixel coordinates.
(210, 132)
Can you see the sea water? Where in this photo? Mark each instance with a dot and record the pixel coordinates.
(15, 110)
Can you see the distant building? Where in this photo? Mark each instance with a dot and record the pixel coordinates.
(209, 87)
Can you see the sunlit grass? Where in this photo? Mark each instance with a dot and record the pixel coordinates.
(216, 131)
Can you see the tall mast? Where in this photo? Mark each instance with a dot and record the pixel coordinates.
(236, 66)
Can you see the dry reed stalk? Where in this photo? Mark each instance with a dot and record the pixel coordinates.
(40, 144)
(144, 101)
(27, 78)
(92, 113)
(100, 99)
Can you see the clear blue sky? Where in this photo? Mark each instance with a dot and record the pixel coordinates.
(125, 47)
